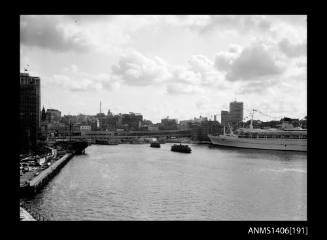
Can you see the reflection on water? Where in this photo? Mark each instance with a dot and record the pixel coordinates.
(136, 182)
(261, 153)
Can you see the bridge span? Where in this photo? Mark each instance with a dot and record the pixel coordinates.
(92, 136)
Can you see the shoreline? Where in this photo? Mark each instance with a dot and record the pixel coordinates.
(39, 181)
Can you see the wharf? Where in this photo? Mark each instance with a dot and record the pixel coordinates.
(47, 173)
(43, 178)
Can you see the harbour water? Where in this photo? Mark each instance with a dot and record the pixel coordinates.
(137, 182)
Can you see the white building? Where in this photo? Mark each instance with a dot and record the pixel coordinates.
(85, 128)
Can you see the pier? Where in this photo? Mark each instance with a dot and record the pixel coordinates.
(34, 185)
(39, 181)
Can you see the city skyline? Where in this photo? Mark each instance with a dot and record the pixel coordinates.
(176, 66)
(220, 117)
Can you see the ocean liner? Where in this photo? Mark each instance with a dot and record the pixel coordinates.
(286, 138)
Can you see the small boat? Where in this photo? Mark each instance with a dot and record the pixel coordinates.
(155, 145)
(181, 148)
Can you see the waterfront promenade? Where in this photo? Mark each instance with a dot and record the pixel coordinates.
(31, 183)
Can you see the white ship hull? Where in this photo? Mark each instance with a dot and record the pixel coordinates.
(260, 143)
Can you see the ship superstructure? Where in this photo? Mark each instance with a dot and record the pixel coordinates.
(287, 138)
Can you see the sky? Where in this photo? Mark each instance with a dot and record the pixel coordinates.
(182, 66)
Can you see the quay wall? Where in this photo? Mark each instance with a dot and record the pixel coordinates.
(43, 178)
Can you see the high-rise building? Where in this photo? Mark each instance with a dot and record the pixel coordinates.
(224, 118)
(236, 112)
(29, 110)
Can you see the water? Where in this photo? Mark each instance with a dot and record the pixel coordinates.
(136, 182)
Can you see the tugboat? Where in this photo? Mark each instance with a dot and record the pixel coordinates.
(155, 145)
(181, 148)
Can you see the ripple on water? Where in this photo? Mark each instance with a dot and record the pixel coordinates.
(135, 182)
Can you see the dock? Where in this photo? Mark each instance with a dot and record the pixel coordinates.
(43, 178)
(34, 185)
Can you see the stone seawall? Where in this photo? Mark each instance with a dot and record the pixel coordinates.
(45, 176)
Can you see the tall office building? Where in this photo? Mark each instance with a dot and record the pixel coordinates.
(236, 112)
(224, 118)
(29, 110)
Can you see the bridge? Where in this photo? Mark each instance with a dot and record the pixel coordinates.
(92, 136)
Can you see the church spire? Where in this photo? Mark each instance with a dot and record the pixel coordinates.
(43, 114)
(109, 113)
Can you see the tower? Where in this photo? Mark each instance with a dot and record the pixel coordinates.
(29, 110)
(224, 118)
(43, 114)
(236, 112)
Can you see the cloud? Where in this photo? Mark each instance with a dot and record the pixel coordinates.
(292, 50)
(257, 87)
(80, 19)
(200, 63)
(203, 103)
(239, 23)
(191, 21)
(77, 81)
(182, 89)
(136, 69)
(253, 63)
(295, 20)
(49, 32)
(224, 59)
(184, 75)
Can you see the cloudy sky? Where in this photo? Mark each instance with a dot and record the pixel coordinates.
(177, 66)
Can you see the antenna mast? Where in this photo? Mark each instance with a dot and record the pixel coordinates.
(251, 124)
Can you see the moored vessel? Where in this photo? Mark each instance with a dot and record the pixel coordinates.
(287, 138)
